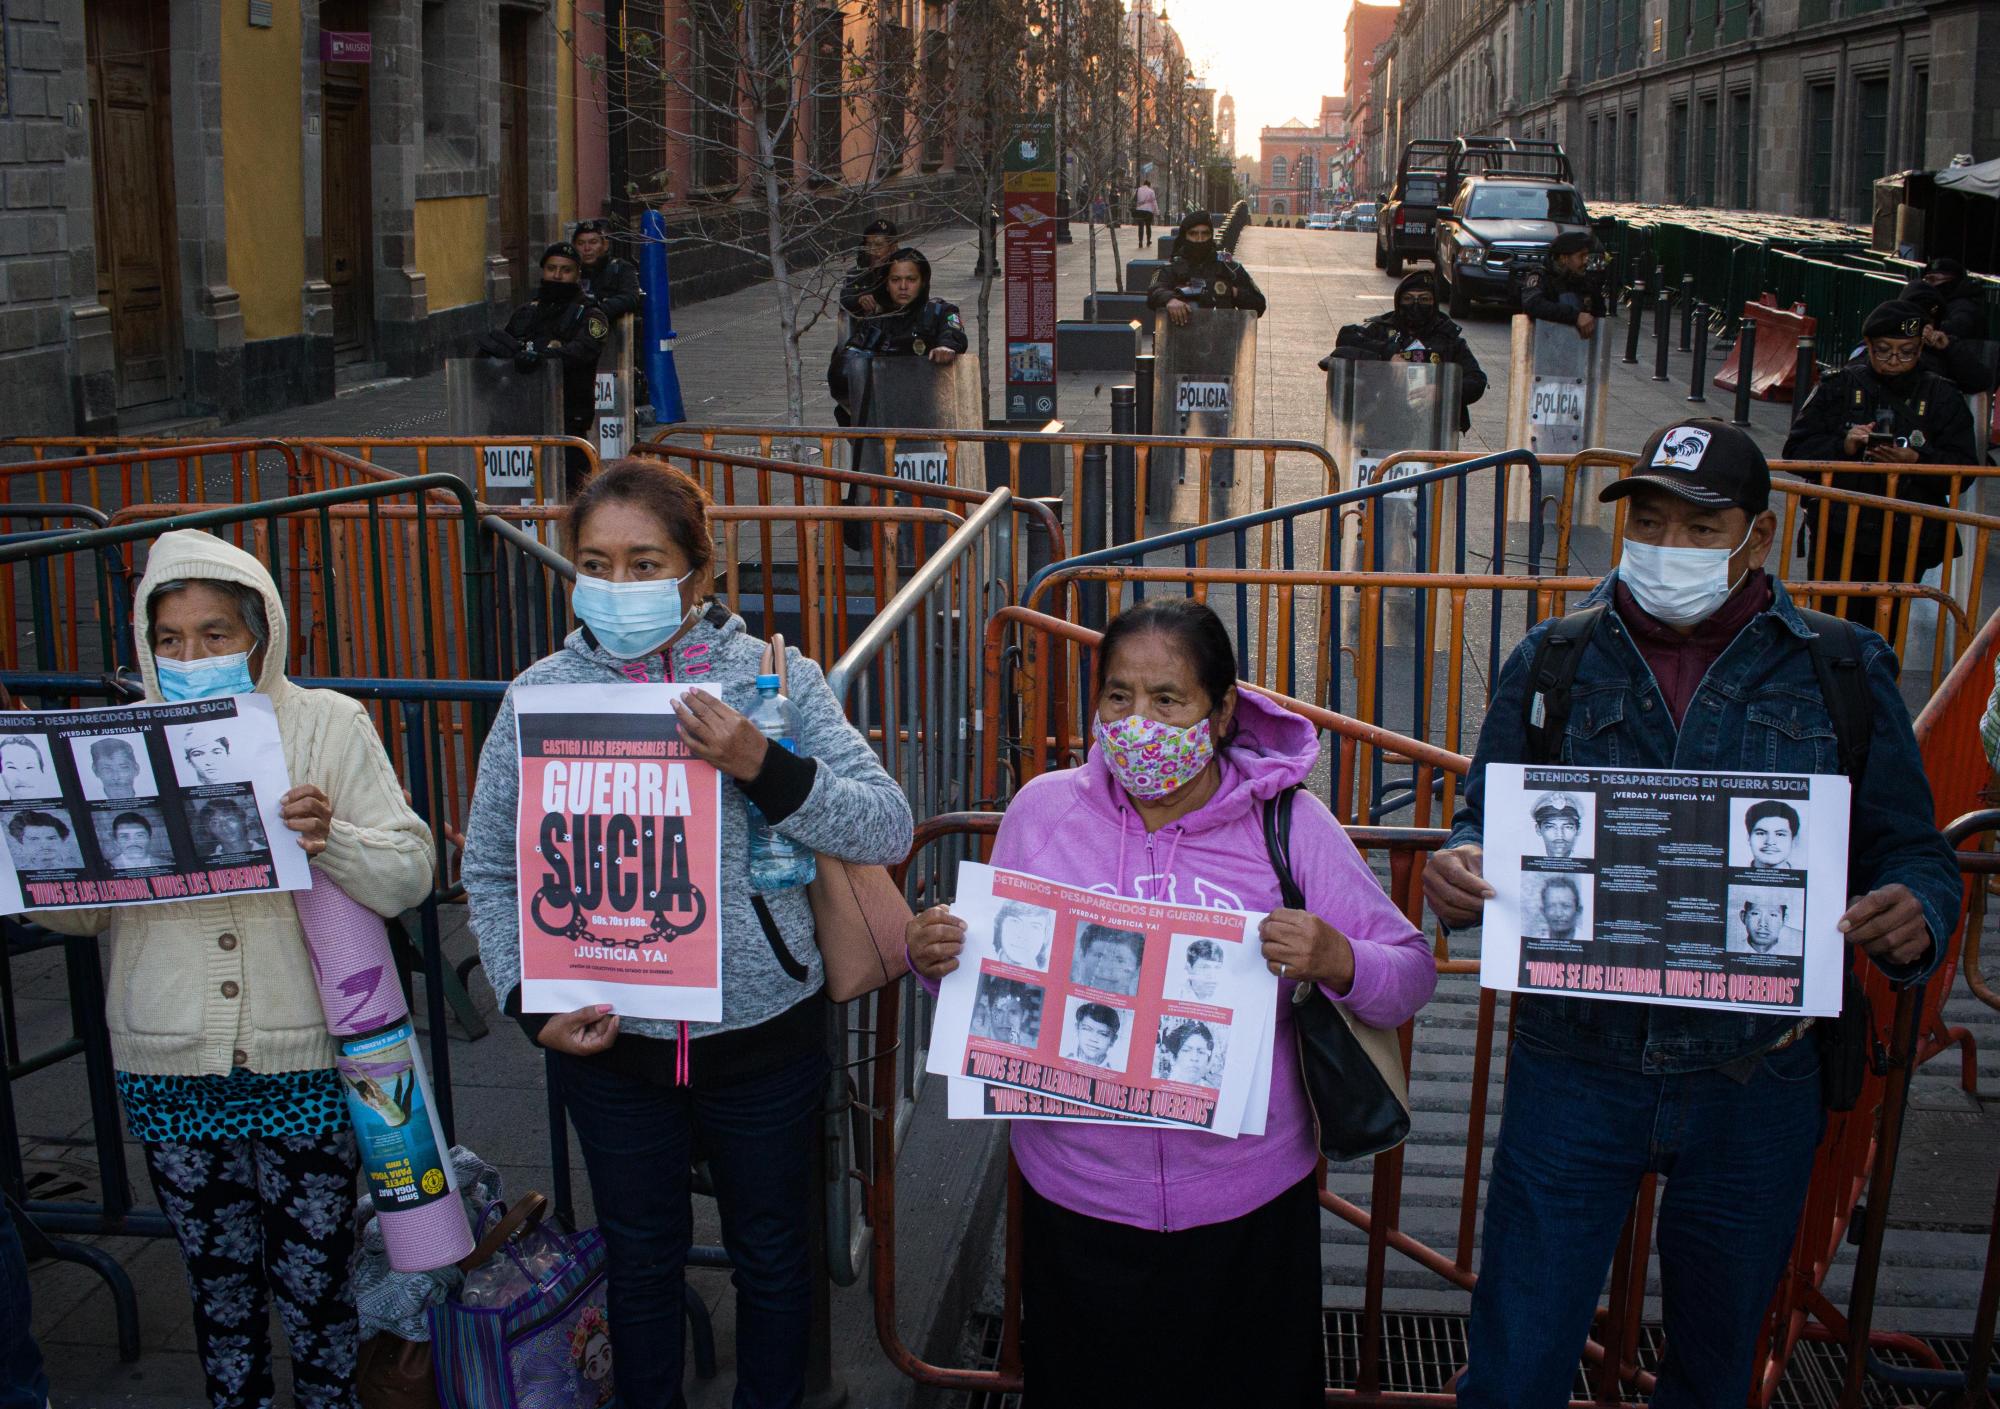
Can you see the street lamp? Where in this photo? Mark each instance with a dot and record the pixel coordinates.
(1139, 17)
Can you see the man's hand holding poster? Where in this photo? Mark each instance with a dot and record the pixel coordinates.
(620, 840)
(143, 804)
(1694, 889)
(1092, 1006)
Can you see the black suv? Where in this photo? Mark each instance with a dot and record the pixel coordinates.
(1407, 221)
(1506, 202)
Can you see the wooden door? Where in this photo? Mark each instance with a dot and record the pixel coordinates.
(344, 179)
(514, 146)
(132, 161)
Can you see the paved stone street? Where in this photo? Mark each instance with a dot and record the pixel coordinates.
(729, 366)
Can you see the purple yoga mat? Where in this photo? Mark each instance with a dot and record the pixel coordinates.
(356, 973)
(359, 993)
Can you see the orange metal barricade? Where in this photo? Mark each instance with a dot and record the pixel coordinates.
(208, 472)
(1306, 458)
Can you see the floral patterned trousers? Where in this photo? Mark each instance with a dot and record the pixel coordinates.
(262, 1219)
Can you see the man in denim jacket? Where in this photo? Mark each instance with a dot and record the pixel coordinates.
(1700, 664)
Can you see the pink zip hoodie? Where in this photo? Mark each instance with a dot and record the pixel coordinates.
(1078, 827)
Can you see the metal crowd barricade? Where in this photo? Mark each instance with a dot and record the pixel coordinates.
(912, 683)
(502, 469)
(48, 604)
(1284, 469)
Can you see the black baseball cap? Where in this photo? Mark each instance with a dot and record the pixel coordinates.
(1571, 242)
(1706, 462)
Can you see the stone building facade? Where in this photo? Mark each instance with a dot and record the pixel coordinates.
(1792, 106)
(210, 203)
(1301, 166)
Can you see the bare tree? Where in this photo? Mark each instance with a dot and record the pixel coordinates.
(1096, 85)
(795, 117)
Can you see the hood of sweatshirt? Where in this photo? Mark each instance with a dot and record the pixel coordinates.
(188, 555)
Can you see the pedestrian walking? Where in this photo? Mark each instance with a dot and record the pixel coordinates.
(747, 1091)
(1884, 411)
(223, 1061)
(1690, 657)
(1120, 1224)
(1145, 210)
(1201, 276)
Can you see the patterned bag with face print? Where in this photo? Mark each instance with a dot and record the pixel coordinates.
(528, 1330)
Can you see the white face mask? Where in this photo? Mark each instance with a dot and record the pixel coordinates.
(1679, 586)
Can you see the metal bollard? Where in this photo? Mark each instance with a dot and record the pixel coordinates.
(1746, 362)
(1124, 467)
(1805, 376)
(1142, 381)
(1698, 376)
(1687, 312)
(1663, 298)
(1635, 314)
(1090, 529)
(1661, 326)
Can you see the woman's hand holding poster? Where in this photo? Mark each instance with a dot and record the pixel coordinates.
(1705, 890)
(620, 844)
(1101, 1007)
(144, 804)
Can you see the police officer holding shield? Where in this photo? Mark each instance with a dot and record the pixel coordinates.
(1568, 290)
(606, 278)
(564, 324)
(1414, 331)
(1201, 276)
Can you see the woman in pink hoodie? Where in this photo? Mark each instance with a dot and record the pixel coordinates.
(1171, 1266)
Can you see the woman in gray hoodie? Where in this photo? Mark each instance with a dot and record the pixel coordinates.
(747, 1090)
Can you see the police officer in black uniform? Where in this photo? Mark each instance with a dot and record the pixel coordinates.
(1414, 331)
(1201, 276)
(561, 323)
(606, 278)
(1883, 409)
(1568, 290)
(911, 324)
(861, 294)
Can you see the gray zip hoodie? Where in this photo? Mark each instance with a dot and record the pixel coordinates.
(854, 811)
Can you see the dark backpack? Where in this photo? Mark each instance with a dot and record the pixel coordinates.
(1848, 1045)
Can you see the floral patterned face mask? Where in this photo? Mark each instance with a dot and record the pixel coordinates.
(1150, 759)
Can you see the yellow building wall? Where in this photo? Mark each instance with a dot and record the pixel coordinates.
(262, 161)
(451, 250)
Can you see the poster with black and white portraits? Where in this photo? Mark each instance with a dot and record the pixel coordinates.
(111, 807)
(1709, 890)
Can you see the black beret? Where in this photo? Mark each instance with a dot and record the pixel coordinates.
(561, 249)
(1898, 318)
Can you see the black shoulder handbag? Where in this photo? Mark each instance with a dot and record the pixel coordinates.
(1354, 1077)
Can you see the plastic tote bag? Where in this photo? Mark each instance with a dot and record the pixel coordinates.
(527, 1330)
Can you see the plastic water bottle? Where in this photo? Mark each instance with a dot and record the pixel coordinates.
(776, 861)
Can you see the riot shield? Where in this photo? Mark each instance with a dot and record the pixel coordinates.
(1204, 384)
(915, 394)
(614, 393)
(486, 396)
(1562, 410)
(1374, 409)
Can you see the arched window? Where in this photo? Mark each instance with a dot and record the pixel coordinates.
(1277, 171)
(1277, 207)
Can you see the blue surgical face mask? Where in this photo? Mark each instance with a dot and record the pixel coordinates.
(629, 619)
(1680, 586)
(205, 678)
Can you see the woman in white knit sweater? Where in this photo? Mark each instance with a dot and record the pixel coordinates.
(224, 1064)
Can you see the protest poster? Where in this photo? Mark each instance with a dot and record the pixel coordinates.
(619, 837)
(1706, 890)
(1117, 1006)
(144, 804)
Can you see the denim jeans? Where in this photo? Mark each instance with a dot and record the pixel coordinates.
(23, 1385)
(638, 1139)
(1576, 1138)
